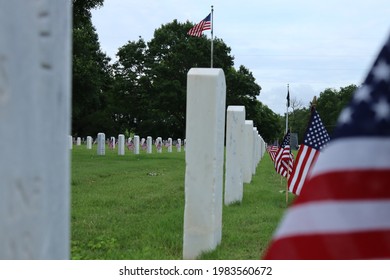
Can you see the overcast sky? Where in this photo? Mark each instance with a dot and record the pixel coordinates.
(310, 45)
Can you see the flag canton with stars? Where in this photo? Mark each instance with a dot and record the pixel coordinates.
(316, 135)
(368, 113)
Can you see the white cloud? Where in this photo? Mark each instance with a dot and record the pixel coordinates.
(311, 45)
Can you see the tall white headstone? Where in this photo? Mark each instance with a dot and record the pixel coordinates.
(248, 152)
(235, 124)
(136, 145)
(149, 144)
(206, 93)
(101, 144)
(78, 141)
(254, 151)
(89, 142)
(35, 94)
(121, 144)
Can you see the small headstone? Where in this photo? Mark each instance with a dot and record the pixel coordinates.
(111, 143)
(136, 145)
(121, 144)
(149, 145)
(78, 141)
(169, 145)
(178, 145)
(89, 142)
(101, 146)
(159, 144)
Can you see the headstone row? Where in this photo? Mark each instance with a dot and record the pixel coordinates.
(206, 93)
(133, 144)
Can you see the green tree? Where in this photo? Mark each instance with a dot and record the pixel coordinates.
(331, 102)
(153, 76)
(91, 79)
(267, 122)
(129, 98)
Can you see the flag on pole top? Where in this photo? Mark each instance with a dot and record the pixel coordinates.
(198, 29)
(343, 211)
(288, 97)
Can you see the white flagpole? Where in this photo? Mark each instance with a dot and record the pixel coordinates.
(212, 35)
(288, 91)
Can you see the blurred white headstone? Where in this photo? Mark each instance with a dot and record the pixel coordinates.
(178, 145)
(159, 144)
(89, 142)
(35, 100)
(169, 145)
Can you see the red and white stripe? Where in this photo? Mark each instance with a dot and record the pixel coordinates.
(344, 209)
(198, 29)
(305, 159)
(272, 152)
(284, 161)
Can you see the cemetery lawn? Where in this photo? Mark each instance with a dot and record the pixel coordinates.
(132, 207)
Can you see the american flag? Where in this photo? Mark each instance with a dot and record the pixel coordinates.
(283, 158)
(272, 151)
(315, 139)
(197, 30)
(344, 211)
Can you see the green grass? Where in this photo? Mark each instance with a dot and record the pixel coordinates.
(132, 207)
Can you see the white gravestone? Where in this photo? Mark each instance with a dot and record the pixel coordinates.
(101, 144)
(121, 144)
(35, 100)
(112, 142)
(159, 144)
(235, 122)
(78, 141)
(248, 153)
(169, 145)
(136, 145)
(149, 147)
(254, 151)
(89, 142)
(178, 145)
(206, 93)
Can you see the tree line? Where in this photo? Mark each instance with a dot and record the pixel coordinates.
(144, 91)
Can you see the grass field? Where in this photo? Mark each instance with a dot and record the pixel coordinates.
(132, 207)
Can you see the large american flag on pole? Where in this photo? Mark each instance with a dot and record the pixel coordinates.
(314, 140)
(203, 25)
(344, 210)
(283, 158)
